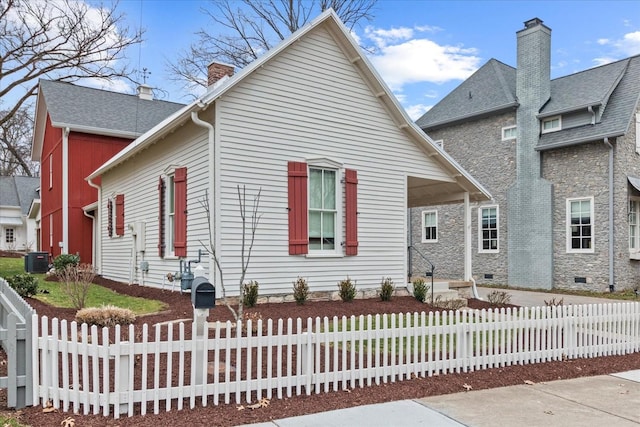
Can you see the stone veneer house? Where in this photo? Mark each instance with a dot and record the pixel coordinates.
(561, 158)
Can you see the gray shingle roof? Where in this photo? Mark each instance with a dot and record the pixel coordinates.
(79, 106)
(490, 89)
(619, 111)
(18, 191)
(615, 86)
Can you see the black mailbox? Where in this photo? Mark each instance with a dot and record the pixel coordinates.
(203, 293)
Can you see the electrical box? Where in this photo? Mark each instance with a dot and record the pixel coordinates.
(139, 231)
(203, 293)
(144, 266)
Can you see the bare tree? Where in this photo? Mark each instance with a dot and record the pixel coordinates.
(15, 144)
(63, 40)
(252, 27)
(249, 227)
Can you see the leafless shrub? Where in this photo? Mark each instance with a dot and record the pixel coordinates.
(75, 281)
(106, 316)
(499, 298)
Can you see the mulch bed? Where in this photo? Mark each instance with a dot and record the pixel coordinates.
(179, 307)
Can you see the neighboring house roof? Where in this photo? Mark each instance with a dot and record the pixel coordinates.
(18, 191)
(95, 111)
(613, 88)
(491, 89)
(357, 57)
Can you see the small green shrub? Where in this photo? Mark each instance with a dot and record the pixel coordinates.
(105, 316)
(24, 284)
(420, 289)
(300, 290)
(499, 298)
(386, 289)
(61, 262)
(250, 294)
(347, 290)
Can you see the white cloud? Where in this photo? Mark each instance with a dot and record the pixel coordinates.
(603, 42)
(422, 60)
(404, 56)
(416, 111)
(630, 43)
(603, 60)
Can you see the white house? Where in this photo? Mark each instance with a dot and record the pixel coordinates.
(314, 128)
(19, 213)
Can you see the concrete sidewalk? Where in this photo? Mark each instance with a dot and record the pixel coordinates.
(605, 400)
(534, 299)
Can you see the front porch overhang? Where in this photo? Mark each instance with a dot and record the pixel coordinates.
(427, 192)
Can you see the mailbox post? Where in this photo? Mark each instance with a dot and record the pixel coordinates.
(203, 297)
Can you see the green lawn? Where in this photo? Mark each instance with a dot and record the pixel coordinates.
(97, 297)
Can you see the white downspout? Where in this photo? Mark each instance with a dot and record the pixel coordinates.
(97, 242)
(212, 185)
(611, 222)
(65, 191)
(93, 234)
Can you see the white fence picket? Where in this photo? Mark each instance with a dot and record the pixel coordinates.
(75, 370)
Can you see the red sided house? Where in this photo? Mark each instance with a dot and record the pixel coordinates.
(76, 130)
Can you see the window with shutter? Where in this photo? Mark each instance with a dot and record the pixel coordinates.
(120, 215)
(351, 211)
(180, 213)
(297, 205)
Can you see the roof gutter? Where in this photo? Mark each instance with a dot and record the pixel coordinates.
(493, 110)
(570, 142)
(96, 131)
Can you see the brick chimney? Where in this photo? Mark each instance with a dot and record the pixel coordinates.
(218, 70)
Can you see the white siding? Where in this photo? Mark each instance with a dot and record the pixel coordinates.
(310, 102)
(137, 179)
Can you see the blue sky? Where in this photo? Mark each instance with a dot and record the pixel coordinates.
(424, 49)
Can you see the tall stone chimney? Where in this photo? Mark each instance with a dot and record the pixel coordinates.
(530, 197)
(218, 70)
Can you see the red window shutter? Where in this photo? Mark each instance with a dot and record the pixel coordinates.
(180, 212)
(298, 210)
(161, 196)
(120, 215)
(110, 218)
(351, 211)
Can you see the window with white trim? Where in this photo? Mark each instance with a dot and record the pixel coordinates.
(580, 225)
(9, 235)
(429, 226)
(551, 124)
(171, 210)
(634, 225)
(488, 229)
(509, 132)
(323, 209)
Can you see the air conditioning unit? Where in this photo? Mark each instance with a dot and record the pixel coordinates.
(36, 262)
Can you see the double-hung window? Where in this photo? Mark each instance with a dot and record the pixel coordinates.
(323, 211)
(9, 235)
(488, 229)
(172, 216)
(634, 227)
(170, 231)
(429, 226)
(580, 225)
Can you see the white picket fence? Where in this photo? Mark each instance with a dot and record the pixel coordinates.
(129, 371)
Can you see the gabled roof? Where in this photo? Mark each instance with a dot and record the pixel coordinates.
(330, 20)
(95, 111)
(613, 88)
(18, 191)
(619, 107)
(491, 89)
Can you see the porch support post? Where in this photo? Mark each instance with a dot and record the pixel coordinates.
(467, 237)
